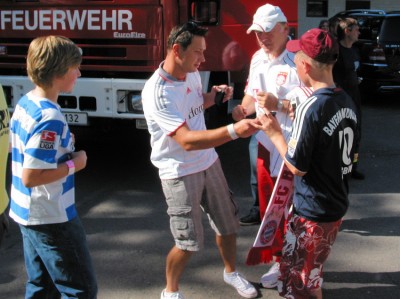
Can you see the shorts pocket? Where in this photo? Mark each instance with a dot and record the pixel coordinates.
(182, 229)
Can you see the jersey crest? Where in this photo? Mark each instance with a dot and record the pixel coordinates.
(281, 78)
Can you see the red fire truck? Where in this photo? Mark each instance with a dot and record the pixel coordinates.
(123, 42)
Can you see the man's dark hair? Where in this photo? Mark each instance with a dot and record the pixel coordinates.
(183, 34)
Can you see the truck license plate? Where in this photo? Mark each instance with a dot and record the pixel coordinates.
(76, 118)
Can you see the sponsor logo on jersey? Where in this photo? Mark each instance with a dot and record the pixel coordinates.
(48, 136)
(194, 111)
(47, 140)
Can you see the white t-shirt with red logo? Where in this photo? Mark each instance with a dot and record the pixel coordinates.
(279, 77)
(168, 104)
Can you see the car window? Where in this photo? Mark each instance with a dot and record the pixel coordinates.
(369, 27)
(390, 30)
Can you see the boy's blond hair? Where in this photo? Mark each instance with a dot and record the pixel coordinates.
(50, 57)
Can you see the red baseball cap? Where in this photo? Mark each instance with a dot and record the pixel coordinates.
(317, 44)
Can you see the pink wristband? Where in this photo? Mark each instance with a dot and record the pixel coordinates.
(71, 167)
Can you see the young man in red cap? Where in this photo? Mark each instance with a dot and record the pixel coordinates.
(320, 152)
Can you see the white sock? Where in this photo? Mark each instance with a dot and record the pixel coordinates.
(229, 274)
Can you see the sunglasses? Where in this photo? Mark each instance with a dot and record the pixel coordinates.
(191, 27)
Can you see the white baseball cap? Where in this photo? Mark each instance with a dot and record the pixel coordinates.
(266, 17)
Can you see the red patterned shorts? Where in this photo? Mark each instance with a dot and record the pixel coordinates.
(306, 247)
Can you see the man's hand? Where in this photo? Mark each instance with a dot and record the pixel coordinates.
(246, 127)
(228, 90)
(268, 124)
(267, 100)
(80, 160)
(239, 112)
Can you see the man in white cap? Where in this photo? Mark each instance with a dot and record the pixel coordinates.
(272, 76)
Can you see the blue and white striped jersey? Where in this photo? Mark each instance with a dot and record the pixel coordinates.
(40, 139)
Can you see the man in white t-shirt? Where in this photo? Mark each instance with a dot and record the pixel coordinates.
(189, 168)
(272, 76)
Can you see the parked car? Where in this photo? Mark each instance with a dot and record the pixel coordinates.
(379, 48)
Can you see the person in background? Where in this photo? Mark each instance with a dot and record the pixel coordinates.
(189, 168)
(4, 149)
(320, 154)
(44, 163)
(324, 25)
(345, 73)
(333, 23)
(272, 76)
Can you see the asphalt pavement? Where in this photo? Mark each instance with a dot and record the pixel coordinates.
(123, 210)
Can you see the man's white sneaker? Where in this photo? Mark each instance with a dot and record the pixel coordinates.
(175, 295)
(244, 288)
(270, 279)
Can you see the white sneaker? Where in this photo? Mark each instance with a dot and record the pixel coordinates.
(244, 288)
(174, 295)
(270, 279)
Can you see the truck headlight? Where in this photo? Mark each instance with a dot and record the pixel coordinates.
(135, 102)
